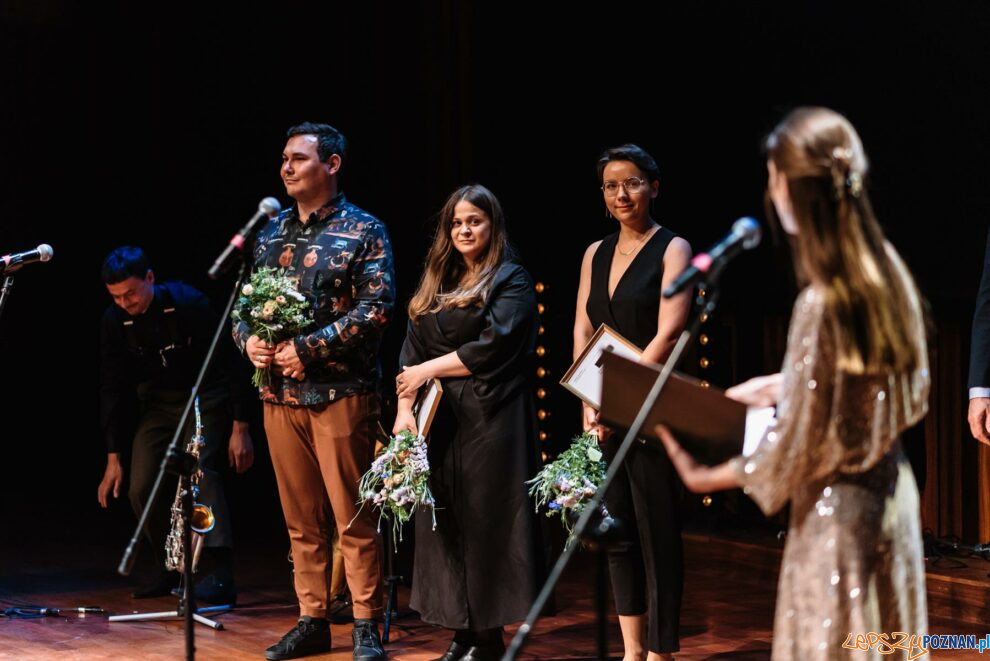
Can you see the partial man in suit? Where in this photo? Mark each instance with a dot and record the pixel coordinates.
(979, 359)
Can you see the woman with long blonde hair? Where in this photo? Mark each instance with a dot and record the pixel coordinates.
(473, 325)
(855, 375)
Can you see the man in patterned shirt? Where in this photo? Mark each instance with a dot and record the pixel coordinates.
(321, 409)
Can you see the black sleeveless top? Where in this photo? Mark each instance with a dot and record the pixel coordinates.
(635, 305)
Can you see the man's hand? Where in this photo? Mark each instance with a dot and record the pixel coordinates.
(979, 420)
(259, 352)
(288, 360)
(113, 476)
(240, 450)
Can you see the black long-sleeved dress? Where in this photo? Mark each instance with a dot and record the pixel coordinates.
(483, 565)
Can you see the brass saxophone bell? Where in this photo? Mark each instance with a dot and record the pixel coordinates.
(202, 519)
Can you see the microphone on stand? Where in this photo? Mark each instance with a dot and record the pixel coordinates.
(267, 209)
(745, 235)
(13, 262)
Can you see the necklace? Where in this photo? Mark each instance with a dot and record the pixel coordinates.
(643, 238)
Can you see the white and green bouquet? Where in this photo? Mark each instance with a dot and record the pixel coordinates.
(566, 484)
(273, 309)
(398, 482)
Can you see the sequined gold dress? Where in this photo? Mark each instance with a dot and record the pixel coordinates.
(853, 562)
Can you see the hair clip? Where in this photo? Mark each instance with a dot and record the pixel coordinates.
(855, 184)
(842, 154)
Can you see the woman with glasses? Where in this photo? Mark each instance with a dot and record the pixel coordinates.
(473, 324)
(855, 375)
(621, 279)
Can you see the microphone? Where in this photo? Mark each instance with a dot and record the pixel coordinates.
(84, 610)
(11, 263)
(745, 234)
(268, 208)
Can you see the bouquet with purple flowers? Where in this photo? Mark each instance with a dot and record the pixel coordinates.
(398, 481)
(566, 484)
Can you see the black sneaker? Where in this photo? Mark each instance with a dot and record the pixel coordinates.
(310, 636)
(212, 590)
(216, 590)
(367, 644)
(339, 611)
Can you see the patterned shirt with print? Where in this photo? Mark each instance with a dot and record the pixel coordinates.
(343, 259)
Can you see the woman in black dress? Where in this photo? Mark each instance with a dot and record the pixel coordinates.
(473, 324)
(621, 279)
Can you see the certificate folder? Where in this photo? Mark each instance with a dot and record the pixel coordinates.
(584, 378)
(427, 403)
(709, 425)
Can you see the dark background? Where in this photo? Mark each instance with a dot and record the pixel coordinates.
(161, 126)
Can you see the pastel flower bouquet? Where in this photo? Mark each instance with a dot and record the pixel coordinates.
(398, 482)
(566, 484)
(273, 309)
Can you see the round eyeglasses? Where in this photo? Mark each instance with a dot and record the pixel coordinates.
(633, 186)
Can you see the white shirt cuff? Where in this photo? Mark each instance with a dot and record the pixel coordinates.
(979, 392)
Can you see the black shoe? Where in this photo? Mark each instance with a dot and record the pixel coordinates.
(310, 636)
(160, 586)
(492, 651)
(367, 644)
(211, 590)
(455, 652)
(339, 611)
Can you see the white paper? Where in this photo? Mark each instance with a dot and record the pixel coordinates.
(758, 420)
(587, 378)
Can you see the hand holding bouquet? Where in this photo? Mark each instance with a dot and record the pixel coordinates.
(273, 309)
(399, 481)
(566, 484)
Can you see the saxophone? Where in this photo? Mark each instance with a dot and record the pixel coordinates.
(202, 516)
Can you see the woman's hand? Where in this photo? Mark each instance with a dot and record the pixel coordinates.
(404, 420)
(759, 391)
(411, 379)
(696, 477)
(589, 418)
(590, 423)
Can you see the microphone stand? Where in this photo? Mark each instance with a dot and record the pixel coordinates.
(705, 304)
(8, 284)
(180, 462)
(8, 267)
(391, 584)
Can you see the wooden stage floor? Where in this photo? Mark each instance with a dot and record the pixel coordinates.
(727, 614)
(733, 621)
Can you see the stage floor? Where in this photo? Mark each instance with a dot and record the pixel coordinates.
(727, 614)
